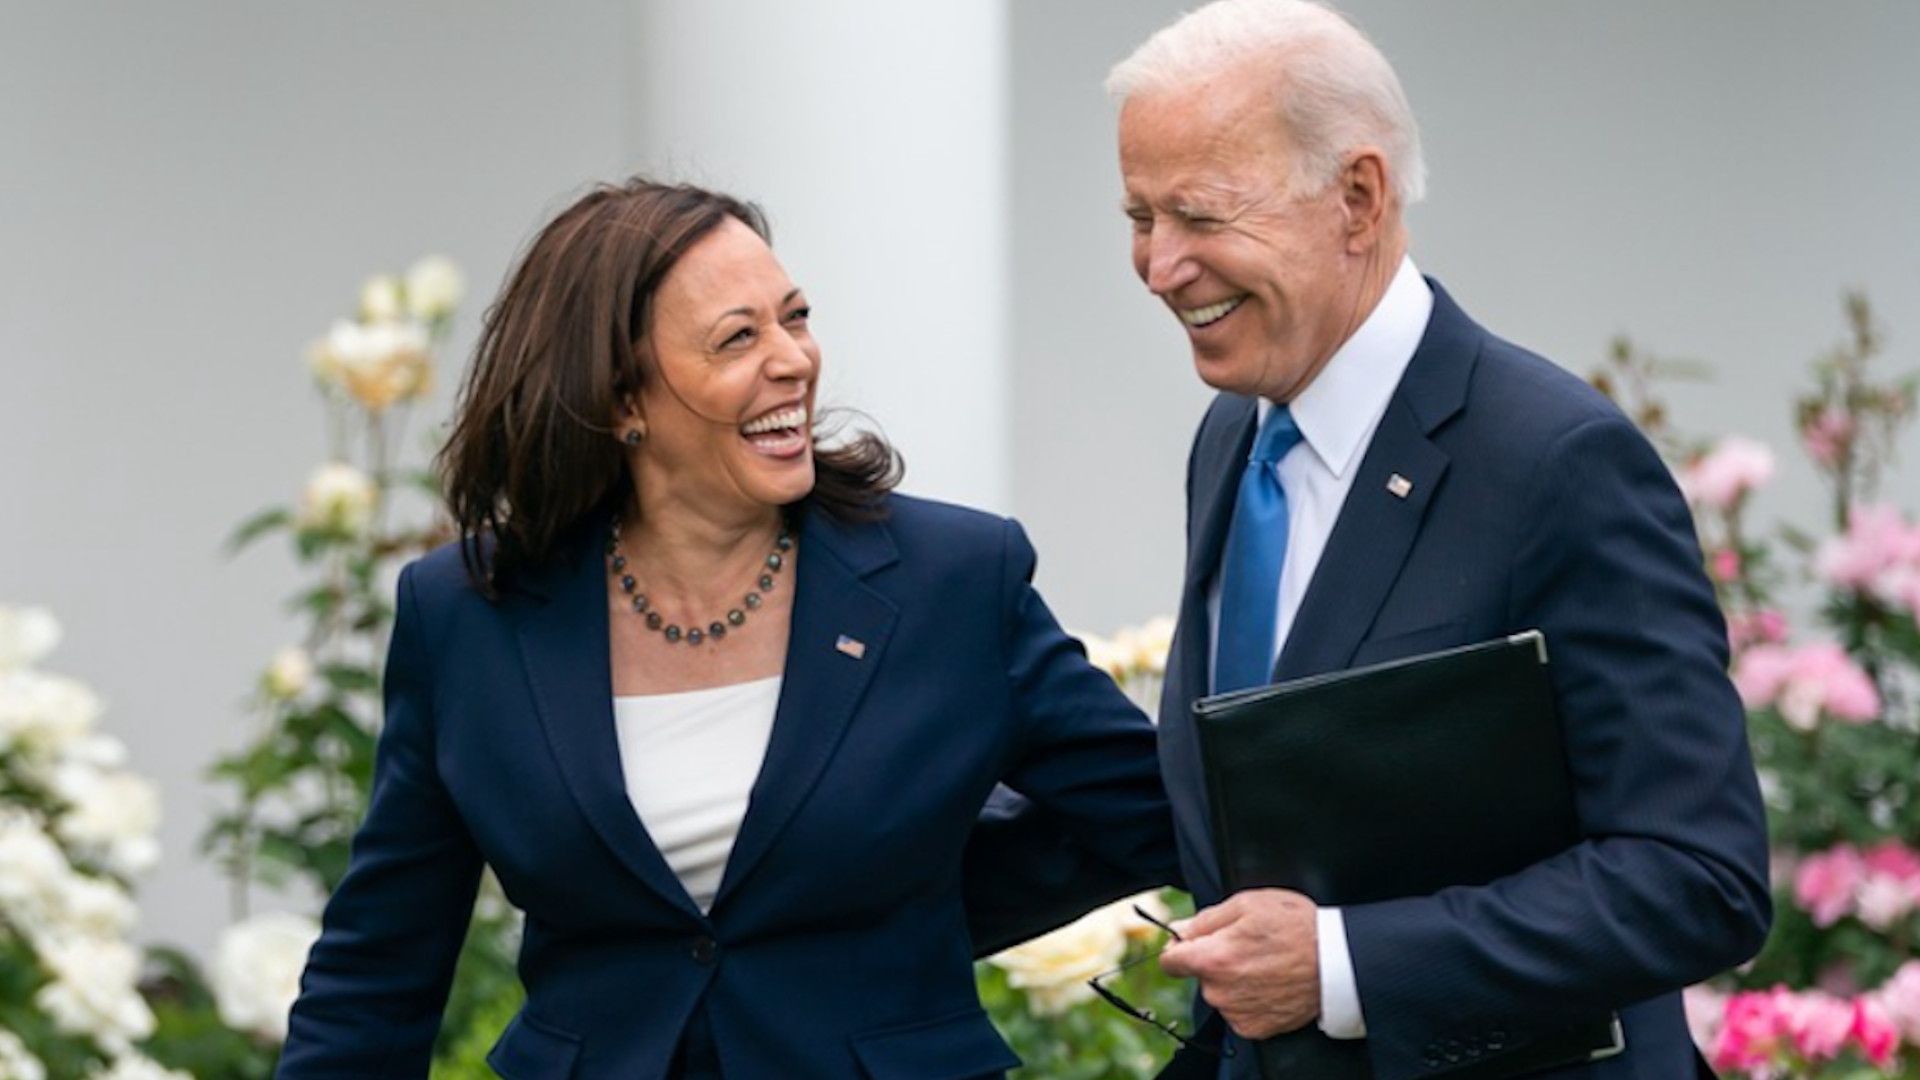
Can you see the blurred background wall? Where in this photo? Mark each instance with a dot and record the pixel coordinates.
(190, 192)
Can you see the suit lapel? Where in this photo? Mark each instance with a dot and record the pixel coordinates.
(1369, 543)
(563, 643)
(1226, 436)
(824, 680)
(1382, 515)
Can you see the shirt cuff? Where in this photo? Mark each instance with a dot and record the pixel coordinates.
(1339, 992)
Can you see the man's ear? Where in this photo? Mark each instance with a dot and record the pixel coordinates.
(1365, 195)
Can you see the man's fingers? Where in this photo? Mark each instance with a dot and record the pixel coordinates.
(1210, 920)
(1191, 960)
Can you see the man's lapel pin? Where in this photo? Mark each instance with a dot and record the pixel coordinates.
(1399, 485)
(850, 646)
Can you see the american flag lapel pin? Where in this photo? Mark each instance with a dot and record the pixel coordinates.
(851, 646)
(1399, 485)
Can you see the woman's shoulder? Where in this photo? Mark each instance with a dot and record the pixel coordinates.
(928, 527)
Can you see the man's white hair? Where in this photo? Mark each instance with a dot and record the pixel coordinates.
(1337, 93)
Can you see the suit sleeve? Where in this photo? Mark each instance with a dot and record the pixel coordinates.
(1082, 815)
(1669, 885)
(377, 980)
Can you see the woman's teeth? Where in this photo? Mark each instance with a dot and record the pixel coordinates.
(1212, 313)
(776, 421)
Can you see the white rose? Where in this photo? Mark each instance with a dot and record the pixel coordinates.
(1053, 969)
(99, 750)
(16, 1062)
(290, 673)
(380, 299)
(96, 908)
(377, 363)
(256, 971)
(435, 287)
(27, 635)
(1152, 642)
(1103, 654)
(133, 1066)
(45, 713)
(92, 992)
(112, 814)
(338, 498)
(1131, 924)
(33, 869)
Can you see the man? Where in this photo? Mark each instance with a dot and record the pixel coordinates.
(1380, 477)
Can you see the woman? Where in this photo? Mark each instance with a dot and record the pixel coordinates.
(716, 706)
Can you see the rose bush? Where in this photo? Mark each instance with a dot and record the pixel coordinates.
(1833, 703)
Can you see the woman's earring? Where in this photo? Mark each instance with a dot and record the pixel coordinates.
(634, 436)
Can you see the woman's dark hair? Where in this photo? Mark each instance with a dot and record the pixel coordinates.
(533, 449)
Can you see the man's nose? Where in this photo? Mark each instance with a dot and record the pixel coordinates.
(1169, 266)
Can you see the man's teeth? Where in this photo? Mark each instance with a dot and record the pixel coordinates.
(1201, 316)
(776, 421)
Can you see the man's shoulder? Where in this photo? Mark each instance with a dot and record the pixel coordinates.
(1530, 400)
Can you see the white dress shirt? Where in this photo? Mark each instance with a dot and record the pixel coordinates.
(689, 760)
(1337, 415)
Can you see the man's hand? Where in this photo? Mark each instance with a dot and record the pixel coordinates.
(1257, 959)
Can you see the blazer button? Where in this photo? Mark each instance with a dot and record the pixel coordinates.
(705, 951)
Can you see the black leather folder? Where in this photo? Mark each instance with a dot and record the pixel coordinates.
(1389, 781)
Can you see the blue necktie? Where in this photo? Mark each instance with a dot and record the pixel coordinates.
(1250, 568)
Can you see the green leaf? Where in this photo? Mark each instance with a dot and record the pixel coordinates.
(350, 678)
(257, 526)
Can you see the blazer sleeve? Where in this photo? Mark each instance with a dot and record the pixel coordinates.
(1669, 885)
(1082, 815)
(377, 980)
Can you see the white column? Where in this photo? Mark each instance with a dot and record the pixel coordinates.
(873, 134)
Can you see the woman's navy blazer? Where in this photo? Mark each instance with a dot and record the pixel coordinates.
(922, 669)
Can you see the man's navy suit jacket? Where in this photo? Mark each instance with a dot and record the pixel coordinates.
(922, 668)
(1534, 504)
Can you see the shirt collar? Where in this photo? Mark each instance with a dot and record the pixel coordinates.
(1345, 401)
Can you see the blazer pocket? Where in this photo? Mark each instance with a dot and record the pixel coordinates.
(531, 1050)
(963, 1046)
(1402, 644)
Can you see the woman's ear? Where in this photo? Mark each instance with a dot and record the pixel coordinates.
(632, 423)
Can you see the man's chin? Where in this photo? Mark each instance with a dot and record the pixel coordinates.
(1227, 374)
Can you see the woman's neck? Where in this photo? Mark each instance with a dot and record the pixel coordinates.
(695, 552)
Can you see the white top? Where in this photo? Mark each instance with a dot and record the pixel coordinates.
(690, 760)
(1337, 415)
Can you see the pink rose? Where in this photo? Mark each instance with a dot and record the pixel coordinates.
(1883, 902)
(1875, 1031)
(1819, 1022)
(1763, 627)
(1894, 859)
(1753, 1031)
(1900, 998)
(1760, 674)
(1720, 478)
(1725, 565)
(1825, 882)
(1826, 433)
(1876, 542)
(1806, 683)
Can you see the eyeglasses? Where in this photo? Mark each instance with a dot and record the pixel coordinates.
(1146, 1016)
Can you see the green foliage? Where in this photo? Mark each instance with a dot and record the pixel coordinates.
(189, 1035)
